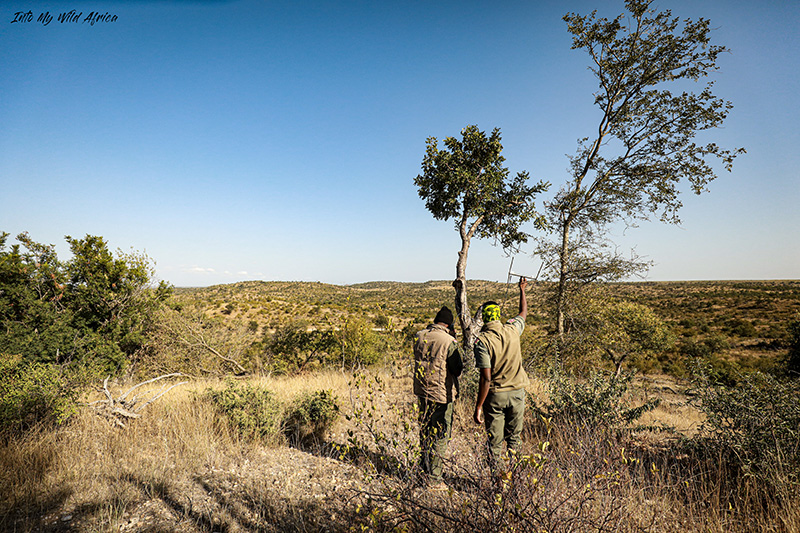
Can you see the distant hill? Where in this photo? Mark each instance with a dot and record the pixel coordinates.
(761, 309)
(271, 303)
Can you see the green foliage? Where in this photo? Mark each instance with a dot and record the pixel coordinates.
(757, 421)
(621, 332)
(467, 181)
(792, 362)
(359, 345)
(35, 394)
(655, 129)
(310, 417)
(294, 348)
(255, 413)
(643, 146)
(383, 321)
(703, 348)
(93, 308)
(600, 401)
(708, 352)
(740, 328)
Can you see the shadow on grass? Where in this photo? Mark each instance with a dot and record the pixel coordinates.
(32, 515)
(233, 505)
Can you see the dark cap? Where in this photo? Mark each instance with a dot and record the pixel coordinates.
(445, 316)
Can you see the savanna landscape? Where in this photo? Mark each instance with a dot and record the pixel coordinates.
(288, 406)
(130, 405)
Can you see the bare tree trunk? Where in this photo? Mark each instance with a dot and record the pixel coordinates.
(563, 273)
(470, 326)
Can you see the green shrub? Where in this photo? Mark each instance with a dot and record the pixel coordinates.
(757, 421)
(709, 346)
(254, 412)
(740, 328)
(598, 401)
(35, 394)
(310, 417)
(294, 348)
(94, 309)
(360, 346)
(792, 360)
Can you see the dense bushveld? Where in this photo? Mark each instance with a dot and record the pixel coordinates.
(286, 406)
(736, 326)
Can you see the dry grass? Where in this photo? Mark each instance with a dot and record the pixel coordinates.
(99, 474)
(180, 468)
(90, 464)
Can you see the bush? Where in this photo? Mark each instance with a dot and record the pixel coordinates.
(740, 328)
(598, 402)
(310, 417)
(705, 348)
(792, 361)
(293, 348)
(756, 421)
(360, 346)
(35, 394)
(93, 309)
(254, 412)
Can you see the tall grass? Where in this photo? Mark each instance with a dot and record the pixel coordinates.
(98, 471)
(575, 473)
(184, 463)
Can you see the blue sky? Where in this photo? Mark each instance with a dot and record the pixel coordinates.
(279, 140)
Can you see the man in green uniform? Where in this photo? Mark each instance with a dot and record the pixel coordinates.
(501, 389)
(437, 366)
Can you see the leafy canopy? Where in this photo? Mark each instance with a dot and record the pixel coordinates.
(644, 147)
(645, 142)
(93, 308)
(467, 182)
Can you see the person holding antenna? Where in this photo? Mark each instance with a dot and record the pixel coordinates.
(500, 404)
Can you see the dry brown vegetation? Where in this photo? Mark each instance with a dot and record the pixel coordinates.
(181, 466)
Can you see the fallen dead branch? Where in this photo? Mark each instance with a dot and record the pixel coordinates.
(127, 406)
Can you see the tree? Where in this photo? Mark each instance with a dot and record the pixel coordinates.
(629, 332)
(644, 145)
(93, 308)
(466, 182)
(63, 323)
(34, 320)
(294, 347)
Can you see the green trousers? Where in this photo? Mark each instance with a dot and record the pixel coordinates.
(435, 423)
(503, 414)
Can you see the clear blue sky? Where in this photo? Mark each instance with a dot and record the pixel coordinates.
(279, 140)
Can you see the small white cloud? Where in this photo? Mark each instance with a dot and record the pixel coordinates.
(199, 270)
(241, 273)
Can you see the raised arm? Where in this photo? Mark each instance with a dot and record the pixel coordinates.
(523, 302)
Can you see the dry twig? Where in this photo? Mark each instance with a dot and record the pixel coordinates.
(121, 409)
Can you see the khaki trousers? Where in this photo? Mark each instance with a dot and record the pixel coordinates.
(503, 414)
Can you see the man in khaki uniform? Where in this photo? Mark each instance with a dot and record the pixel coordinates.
(437, 366)
(501, 389)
